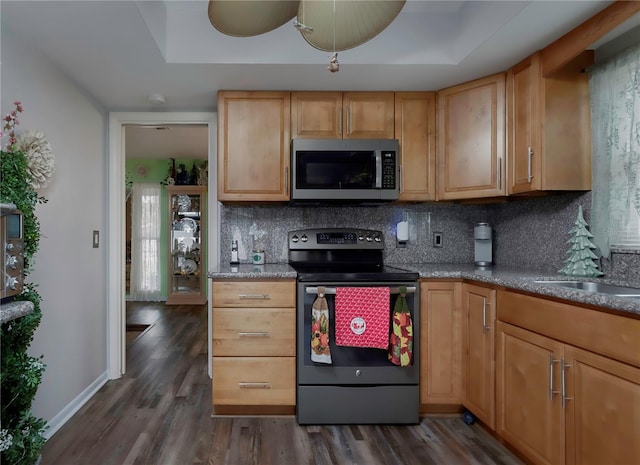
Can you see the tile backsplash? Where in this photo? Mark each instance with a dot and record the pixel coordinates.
(267, 227)
(527, 233)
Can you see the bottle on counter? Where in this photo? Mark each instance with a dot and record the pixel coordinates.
(234, 253)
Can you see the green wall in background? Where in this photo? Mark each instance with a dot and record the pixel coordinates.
(150, 171)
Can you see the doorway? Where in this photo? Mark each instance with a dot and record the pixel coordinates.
(153, 153)
(119, 124)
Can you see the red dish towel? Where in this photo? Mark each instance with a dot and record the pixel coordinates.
(362, 317)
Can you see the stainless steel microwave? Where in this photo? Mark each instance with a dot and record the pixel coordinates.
(344, 170)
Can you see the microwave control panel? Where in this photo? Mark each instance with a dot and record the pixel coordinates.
(388, 170)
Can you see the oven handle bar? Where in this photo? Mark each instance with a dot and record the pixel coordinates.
(332, 290)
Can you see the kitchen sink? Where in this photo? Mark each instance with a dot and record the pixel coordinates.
(596, 287)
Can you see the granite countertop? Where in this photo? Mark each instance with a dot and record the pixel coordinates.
(13, 310)
(511, 278)
(249, 271)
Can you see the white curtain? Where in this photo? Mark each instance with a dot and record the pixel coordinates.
(615, 123)
(145, 242)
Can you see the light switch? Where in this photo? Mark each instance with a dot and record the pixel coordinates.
(437, 239)
(96, 239)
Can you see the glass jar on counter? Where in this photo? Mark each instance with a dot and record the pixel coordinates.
(257, 257)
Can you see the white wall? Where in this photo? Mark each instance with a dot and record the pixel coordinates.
(71, 275)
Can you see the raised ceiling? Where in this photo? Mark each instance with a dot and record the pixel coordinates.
(120, 52)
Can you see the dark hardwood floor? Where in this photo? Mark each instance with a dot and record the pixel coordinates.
(160, 413)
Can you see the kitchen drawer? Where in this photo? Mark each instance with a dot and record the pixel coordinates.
(254, 293)
(254, 380)
(259, 332)
(614, 336)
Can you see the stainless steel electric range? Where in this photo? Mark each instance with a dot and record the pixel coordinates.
(360, 385)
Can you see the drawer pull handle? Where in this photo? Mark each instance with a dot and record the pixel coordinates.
(551, 390)
(485, 328)
(244, 334)
(254, 296)
(255, 385)
(564, 366)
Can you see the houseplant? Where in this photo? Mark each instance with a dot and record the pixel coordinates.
(26, 164)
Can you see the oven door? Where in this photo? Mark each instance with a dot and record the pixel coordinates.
(353, 365)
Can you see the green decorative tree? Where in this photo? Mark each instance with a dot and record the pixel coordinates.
(581, 258)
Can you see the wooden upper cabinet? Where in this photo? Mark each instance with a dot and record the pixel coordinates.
(368, 115)
(253, 146)
(342, 115)
(548, 124)
(415, 129)
(316, 115)
(471, 139)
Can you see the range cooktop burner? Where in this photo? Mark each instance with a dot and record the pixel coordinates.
(341, 254)
(387, 274)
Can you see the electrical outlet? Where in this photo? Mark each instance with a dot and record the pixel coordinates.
(437, 239)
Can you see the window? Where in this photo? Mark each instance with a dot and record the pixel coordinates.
(145, 242)
(615, 129)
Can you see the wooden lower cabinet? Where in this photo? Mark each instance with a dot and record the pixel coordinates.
(529, 413)
(562, 404)
(441, 344)
(602, 410)
(255, 381)
(254, 368)
(478, 339)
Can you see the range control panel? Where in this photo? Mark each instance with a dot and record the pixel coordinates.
(335, 238)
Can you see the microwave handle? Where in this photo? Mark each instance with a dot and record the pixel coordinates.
(378, 170)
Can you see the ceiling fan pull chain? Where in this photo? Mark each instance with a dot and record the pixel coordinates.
(334, 66)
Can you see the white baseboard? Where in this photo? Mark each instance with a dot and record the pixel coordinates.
(76, 404)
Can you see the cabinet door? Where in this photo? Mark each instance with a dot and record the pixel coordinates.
(415, 126)
(529, 411)
(602, 410)
(253, 145)
(549, 126)
(478, 329)
(441, 343)
(471, 139)
(187, 240)
(316, 115)
(525, 148)
(368, 115)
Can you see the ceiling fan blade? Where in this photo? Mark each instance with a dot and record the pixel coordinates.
(356, 21)
(246, 18)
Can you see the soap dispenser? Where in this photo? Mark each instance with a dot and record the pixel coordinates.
(234, 253)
